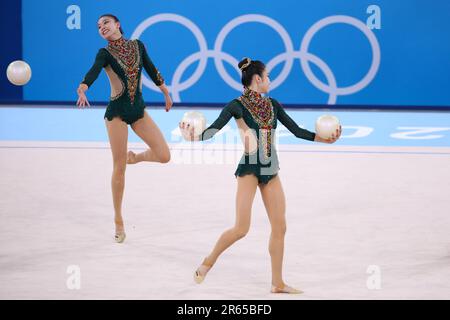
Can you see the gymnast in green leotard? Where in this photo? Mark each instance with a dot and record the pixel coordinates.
(123, 61)
(256, 117)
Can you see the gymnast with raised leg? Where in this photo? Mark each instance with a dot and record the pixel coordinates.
(256, 117)
(123, 61)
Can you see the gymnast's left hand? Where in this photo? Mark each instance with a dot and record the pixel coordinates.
(169, 102)
(82, 99)
(334, 137)
(188, 131)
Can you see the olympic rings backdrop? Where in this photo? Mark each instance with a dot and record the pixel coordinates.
(317, 52)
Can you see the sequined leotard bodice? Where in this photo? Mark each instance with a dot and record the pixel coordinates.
(123, 61)
(257, 117)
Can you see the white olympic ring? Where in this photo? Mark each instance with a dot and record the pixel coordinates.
(373, 43)
(287, 57)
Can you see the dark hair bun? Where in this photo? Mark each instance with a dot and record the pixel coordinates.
(245, 62)
(249, 68)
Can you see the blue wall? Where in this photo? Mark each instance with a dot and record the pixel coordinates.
(11, 49)
(413, 66)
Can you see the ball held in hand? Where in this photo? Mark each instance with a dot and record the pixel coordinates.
(196, 120)
(326, 125)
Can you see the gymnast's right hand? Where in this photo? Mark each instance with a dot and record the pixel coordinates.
(82, 99)
(187, 131)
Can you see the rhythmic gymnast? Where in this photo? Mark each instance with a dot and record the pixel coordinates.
(256, 117)
(123, 61)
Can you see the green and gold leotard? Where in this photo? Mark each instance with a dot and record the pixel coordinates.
(123, 61)
(258, 115)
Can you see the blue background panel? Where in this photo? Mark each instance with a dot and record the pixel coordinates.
(413, 40)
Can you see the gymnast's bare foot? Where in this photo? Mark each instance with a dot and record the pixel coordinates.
(201, 271)
(285, 289)
(131, 157)
(120, 235)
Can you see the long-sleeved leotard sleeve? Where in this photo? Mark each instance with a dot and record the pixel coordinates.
(152, 71)
(290, 124)
(230, 110)
(99, 64)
